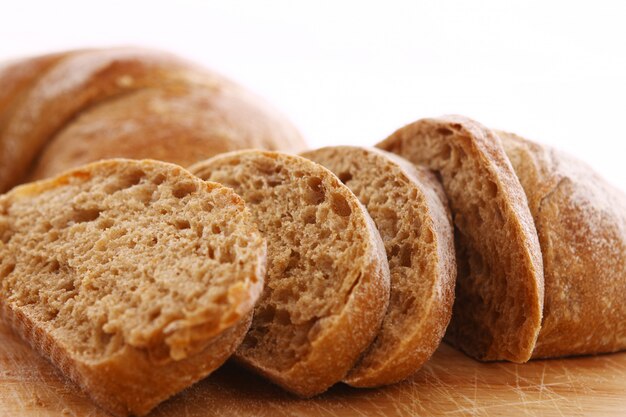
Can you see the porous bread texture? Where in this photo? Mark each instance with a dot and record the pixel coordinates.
(581, 223)
(327, 284)
(74, 102)
(125, 271)
(410, 210)
(499, 290)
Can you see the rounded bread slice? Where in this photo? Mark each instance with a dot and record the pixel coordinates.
(135, 278)
(499, 290)
(327, 284)
(410, 210)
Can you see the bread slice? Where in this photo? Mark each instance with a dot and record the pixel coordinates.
(499, 291)
(327, 285)
(581, 223)
(410, 210)
(134, 277)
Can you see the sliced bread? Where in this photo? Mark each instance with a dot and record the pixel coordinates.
(499, 291)
(581, 223)
(327, 284)
(135, 278)
(410, 210)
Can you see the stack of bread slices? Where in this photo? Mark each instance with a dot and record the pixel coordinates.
(137, 278)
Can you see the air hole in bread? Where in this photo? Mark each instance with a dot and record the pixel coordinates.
(158, 179)
(282, 318)
(154, 314)
(182, 224)
(266, 315)
(405, 256)
(227, 255)
(53, 266)
(7, 270)
(184, 189)
(104, 224)
(255, 197)
(309, 215)
(315, 194)
(445, 131)
(129, 179)
(345, 176)
(5, 231)
(274, 181)
(153, 241)
(211, 252)
(52, 236)
(265, 165)
(340, 205)
(51, 314)
(387, 222)
(67, 286)
(82, 215)
(216, 229)
(429, 237)
(294, 259)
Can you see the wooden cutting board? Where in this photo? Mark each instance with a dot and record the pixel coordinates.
(450, 384)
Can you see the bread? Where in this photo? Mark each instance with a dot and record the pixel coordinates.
(410, 210)
(134, 277)
(499, 290)
(127, 102)
(581, 223)
(327, 284)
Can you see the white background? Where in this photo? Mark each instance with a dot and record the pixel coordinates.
(351, 72)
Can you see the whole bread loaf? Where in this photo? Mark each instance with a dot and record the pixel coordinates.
(64, 110)
(581, 223)
(327, 284)
(135, 278)
(410, 210)
(499, 291)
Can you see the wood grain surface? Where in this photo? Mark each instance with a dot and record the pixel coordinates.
(450, 384)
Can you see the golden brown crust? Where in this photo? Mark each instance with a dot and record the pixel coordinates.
(422, 286)
(340, 336)
(499, 293)
(581, 223)
(128, 384)
(72, 86)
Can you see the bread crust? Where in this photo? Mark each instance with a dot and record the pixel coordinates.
(344, 335)
(142, 372)
(499, 294)
(57, 104)
(388, 360)
(581, 223)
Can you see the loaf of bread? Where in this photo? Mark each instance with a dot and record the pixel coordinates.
(581, 224)
(327, 284)
(410, 210)
(135, 278)
(499, 291)
(64, 110)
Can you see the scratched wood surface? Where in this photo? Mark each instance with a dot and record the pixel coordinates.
(451, 384)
